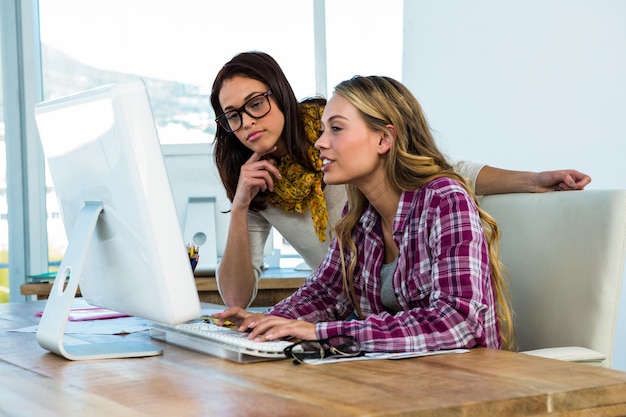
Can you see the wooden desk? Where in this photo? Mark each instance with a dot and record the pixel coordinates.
(183, 383)
(275, 284)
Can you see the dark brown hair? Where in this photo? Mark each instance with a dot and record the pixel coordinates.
(230, 154)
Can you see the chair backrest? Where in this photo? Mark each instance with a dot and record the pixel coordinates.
(565, 254)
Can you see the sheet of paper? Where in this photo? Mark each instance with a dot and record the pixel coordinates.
(382, 355)
(90, 313)
(122, 325)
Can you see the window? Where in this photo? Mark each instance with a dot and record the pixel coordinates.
(178, 47)
(176, 50)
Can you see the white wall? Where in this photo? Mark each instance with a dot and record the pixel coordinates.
(534, 84)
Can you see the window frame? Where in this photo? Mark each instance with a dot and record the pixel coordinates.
(21, 64)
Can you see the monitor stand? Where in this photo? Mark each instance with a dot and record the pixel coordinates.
(51, 329)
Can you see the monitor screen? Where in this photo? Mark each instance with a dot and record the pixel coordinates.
(125, 246)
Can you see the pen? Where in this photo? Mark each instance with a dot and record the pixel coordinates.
(210, 319)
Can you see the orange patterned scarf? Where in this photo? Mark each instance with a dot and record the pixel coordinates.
(300, 188)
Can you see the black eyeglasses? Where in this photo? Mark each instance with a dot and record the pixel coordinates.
(344, 346)
(257, 107)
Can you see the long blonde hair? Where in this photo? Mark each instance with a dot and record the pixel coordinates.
(412, 161)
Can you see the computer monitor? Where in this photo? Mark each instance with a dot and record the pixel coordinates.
(202, 205)
(200, 200)
(125, 246)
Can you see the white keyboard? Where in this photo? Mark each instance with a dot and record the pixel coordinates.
(218, 341)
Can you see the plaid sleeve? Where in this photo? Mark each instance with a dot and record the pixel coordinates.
(321, 298)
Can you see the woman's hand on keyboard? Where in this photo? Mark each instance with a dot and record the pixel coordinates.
(267, 328)
(263, 327)
(235, 315)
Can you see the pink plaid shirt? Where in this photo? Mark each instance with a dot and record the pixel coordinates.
(442, 279)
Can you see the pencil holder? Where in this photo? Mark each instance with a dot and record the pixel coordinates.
(194, 255)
